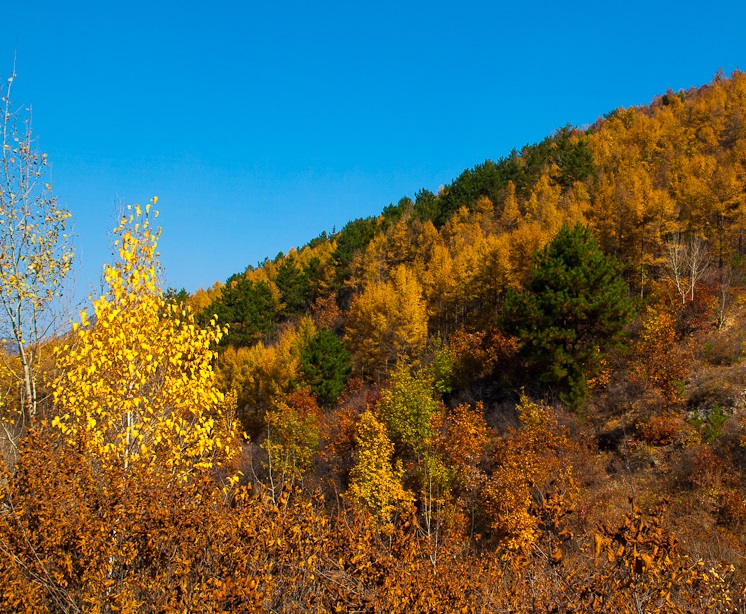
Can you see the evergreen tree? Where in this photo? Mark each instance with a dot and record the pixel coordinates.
(326, 365)
(294, 287)
(351, 240)
(426, 206)
(573, 309)
(247, 308)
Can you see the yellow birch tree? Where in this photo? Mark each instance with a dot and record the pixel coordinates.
(138, 385)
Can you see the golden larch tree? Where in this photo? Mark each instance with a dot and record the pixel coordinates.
(387, 322)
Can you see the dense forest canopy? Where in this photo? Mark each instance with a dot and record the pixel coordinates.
(522, 393)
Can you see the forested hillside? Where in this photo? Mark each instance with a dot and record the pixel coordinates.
(524, 393)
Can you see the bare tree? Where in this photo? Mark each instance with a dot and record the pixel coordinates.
(726, 278)
(686, 264)
(698, 261)
(35, 252)
(676, 266)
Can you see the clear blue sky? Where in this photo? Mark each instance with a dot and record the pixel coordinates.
(259, 125)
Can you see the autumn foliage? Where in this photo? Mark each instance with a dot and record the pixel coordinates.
(138, 386)
(523, 393)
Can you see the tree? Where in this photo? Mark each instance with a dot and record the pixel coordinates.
(388, 321)
(177, 297)
(413, 415)
(137, 386)
(529, 462)
(292, 438)
(570, 157)
(350, 241)
(408, 407)
(294, 287)
(658, 358)
(374, 482)
(465, 440)
(326, 365)
(247, 307)
(511, 213)
(686, 265)
(426, 205)
(263, 376)
(573, 309)
(35, 253)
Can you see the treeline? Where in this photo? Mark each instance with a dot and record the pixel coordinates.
(523, 393)
(661, 187)
(643, 178)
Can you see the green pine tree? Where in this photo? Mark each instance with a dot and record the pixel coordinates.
(247, 308)
(572, 311)
(326, 365)
(295, 288)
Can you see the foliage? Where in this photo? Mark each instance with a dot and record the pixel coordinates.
(294, 286)
(351, 240)
(178, 297)
(326, 364)
(326, 313)
(529, 461)
(658, 358)
(467, 437)
(83, 537)
(573, 309)
(467, 505)
(247, 308)
(571, 157)
(711, 427)
(387, 323)
(374, 482)
(663, 429)
(138, 386)
(478, 354)
(444, 368)
(641, 562)
(78, 538)
(263, 376)
(201, 299)
(408, 407)
(292, 437)
(36, 255)
(464, 442)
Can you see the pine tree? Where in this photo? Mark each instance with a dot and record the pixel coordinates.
(246, 307)
(573, 309)
(326, 365)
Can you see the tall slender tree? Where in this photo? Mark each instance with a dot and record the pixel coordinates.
(36, 255)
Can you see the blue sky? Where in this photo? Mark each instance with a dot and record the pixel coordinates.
(259, 125)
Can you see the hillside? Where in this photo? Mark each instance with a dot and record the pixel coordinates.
(522, 393)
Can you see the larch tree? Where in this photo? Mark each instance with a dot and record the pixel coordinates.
(387, 322)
